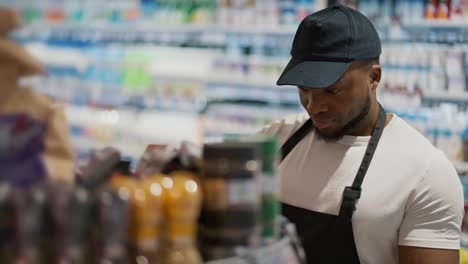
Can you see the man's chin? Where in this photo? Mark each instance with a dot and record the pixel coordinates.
(328, 136)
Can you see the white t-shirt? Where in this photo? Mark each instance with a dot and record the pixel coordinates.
(411, 195)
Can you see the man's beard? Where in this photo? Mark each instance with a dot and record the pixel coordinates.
(351, 125)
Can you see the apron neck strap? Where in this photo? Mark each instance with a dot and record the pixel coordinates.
(288, 146)
(352, 193)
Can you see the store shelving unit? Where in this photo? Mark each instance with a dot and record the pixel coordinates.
(148, 28)
(240, 82)
(461, 97)
(437, 24)
(449, 32)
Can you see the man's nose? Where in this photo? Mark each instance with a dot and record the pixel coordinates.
(316, 101)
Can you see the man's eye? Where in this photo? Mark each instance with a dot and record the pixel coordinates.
(332, 91)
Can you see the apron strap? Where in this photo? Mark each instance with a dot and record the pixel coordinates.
(296, 138)
(352, 193)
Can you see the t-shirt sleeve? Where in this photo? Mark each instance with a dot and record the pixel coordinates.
(435, 208)
(271, 129)
(283, 128)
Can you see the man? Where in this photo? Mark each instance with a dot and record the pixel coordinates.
(362, 186)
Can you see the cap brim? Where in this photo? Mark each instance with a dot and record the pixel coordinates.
(312, 74)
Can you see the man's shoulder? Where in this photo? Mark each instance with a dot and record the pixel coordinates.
(283, 128)
(415, 147)
(409, 138)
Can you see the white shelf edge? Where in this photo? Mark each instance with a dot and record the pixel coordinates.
(437, 24)
(462, 96)
(151, 27)
(248, 82)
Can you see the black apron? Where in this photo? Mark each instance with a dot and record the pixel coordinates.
(329, 238)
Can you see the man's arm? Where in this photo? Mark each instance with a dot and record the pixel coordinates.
(418, 255)
(430, 230)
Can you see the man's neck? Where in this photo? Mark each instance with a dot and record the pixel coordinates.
(368, 124)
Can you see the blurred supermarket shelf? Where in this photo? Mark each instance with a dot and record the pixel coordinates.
(218, 34)
(147, 30)
(445, 96)
(438, 31)
(111, 128)
(225, 80)
(437, 24)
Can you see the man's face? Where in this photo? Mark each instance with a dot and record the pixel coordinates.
(338, 109)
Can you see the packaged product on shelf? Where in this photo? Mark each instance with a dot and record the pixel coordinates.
(188, 158)
(287, 12)
(443, 9)
(457, 10)
(147, 207)
(232, 201)
(183, 204)
(430, 9)
(417, 11)
(6, 222)
(78, 234)
(59, 221)
(126, 187)
(99, 168)
(463, 256)
(113, 216)
(271, 208)
(153, 160)
(29, 208)
(455, 70)
(244, 12)
(53, 11)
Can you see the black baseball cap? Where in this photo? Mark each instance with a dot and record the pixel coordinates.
(326, 43)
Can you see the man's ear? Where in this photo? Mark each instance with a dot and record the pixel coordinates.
(375, 76)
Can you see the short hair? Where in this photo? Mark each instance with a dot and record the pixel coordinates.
(367, 62)
(371, 61)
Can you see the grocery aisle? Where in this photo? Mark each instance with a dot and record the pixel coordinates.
(133, 73)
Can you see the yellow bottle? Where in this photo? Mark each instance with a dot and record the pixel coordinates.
(182, 211)
(148, 216)
(463, 256)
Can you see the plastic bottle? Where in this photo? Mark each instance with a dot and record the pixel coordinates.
(182, 208)
(29, 208)
(430, 9)
(78, 234)
(115, 219)
(443, 10)
(148, 217)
